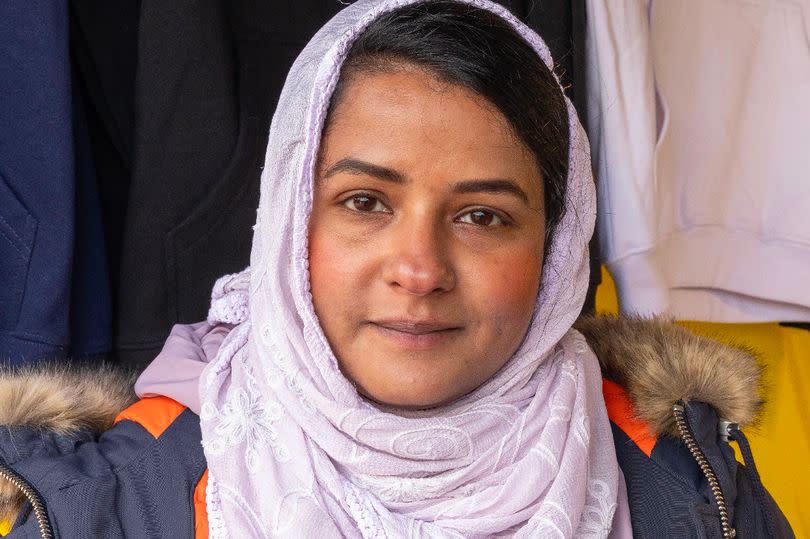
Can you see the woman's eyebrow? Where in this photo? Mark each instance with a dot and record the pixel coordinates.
(491, 186)
(356, 166)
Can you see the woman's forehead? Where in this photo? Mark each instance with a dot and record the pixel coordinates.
(410, 121)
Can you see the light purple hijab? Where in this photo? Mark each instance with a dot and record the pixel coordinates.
(294, 450)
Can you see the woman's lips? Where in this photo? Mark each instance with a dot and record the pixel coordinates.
(416, 334)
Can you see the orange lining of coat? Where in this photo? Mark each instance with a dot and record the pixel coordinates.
(200, 510)
(154, 414)
(620, 411)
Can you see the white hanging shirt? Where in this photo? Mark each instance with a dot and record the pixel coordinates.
(699, 114)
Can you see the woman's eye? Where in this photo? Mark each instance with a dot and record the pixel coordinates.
(481, 218)
(365, 204)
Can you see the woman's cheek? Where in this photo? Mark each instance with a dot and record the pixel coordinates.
(509, 283)
(339, 265)
(330, 259)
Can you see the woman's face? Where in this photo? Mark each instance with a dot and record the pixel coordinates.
(426, 238)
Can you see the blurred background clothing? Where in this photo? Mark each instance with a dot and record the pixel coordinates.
(699, 115)
(54, 286)
(182, 95)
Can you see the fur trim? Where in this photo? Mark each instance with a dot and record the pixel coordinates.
(659, 363)
(65, 398)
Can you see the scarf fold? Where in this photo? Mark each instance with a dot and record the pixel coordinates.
(293, 450)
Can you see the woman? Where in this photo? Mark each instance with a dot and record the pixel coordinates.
(399, 360)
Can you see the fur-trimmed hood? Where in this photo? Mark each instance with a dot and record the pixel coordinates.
(657, 362)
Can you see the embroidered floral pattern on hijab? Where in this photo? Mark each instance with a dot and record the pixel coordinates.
(293, 448)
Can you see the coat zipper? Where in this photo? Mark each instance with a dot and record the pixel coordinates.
(37, 504)
(703, 463)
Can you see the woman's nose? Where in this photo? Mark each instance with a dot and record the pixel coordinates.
(419, 261)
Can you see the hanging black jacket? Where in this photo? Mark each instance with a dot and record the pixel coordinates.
(181, 97)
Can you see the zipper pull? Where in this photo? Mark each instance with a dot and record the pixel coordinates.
(726, 428)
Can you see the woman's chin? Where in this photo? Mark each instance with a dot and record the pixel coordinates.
(409, 402)
(419, 394)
